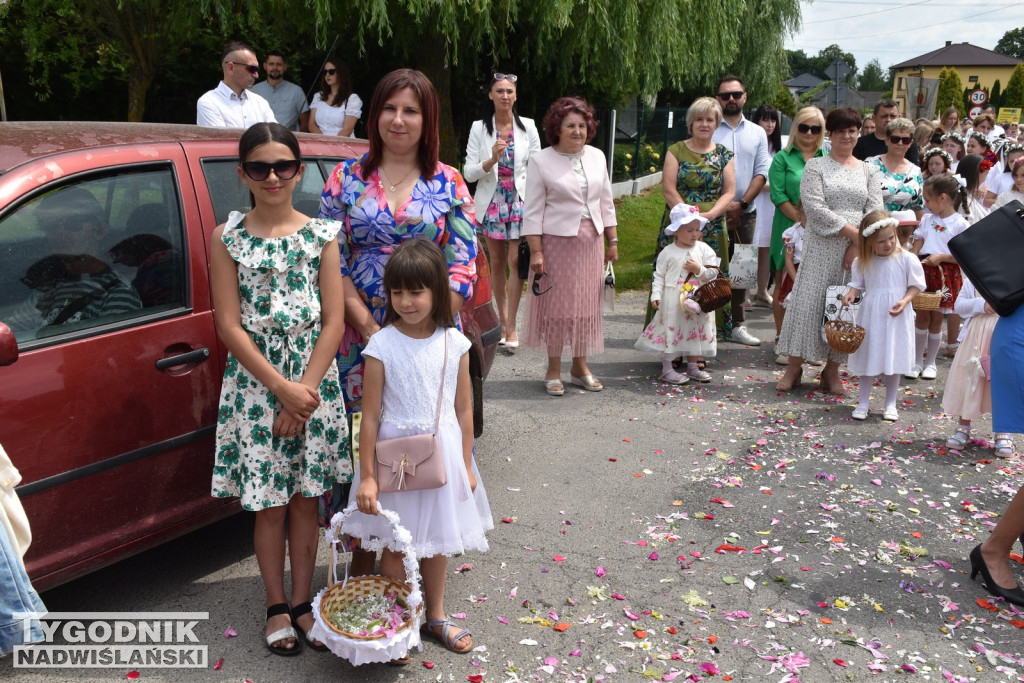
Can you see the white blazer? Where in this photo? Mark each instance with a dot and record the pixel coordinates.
(478, 150)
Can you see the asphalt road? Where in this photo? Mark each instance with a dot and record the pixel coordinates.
(626, 514)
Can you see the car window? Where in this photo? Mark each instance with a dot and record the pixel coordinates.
(99, 250)
(228, 193)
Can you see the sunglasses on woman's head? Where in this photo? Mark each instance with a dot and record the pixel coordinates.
(900, 140)
(260, 170)
(330, 72)
(805, 128)
(535, 287)
(511, 78)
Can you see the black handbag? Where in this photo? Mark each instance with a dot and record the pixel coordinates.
(991, 254)
(524, 259)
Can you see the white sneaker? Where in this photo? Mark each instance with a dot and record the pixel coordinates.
(929, 372)
(741, 336)
(860, 413)
(914, 373)
(890, 414)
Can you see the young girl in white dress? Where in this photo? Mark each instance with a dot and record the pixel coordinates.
(968, 392)
(679, 327)
(888, 277)
(402, 379)
(1016, 191)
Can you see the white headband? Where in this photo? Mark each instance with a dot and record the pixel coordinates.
(878, 225)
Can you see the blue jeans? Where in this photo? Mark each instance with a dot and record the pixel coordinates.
(16, 595)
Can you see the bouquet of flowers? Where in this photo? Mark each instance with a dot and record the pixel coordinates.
(686, 300)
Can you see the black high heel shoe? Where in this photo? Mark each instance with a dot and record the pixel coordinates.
(1014, 595)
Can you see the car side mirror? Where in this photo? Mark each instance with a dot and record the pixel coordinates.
(8, 345)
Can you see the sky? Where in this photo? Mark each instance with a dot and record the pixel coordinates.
(894, 31)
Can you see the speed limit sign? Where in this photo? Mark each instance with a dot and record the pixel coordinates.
(978, 96)
(974, 113)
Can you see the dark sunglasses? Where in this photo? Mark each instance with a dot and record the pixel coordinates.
(535, 287)
(511, 78)
(735, 94)
(330, 72)
(900, 140)
(254, 70)
(260, 170)
(805, 128)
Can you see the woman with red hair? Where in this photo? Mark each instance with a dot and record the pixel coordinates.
(569, 217)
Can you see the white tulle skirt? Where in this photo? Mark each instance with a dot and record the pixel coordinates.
(445, 521)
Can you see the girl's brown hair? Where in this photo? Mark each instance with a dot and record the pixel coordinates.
(865, 251)
(419, 264)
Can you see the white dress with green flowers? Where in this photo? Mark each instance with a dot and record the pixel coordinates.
(278, 289)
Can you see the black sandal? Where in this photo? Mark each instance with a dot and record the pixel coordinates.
(298, 611)
(282, 633)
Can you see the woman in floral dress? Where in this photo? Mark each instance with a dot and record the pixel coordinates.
(395, 192)
(902, 184)
(700, 172)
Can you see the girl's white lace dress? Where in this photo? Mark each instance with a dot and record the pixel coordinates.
(451, 519)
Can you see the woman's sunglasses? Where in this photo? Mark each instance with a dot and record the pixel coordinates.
(900, 140)
(511, 78)
(805, 128)
(330, 72)
(535, 287)
(260, 170)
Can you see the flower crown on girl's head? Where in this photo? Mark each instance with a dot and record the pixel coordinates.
(937, 151)
(982, 138)
(887, 222)
(955, 136)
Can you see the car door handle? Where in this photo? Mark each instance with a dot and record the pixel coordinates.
(195, 356)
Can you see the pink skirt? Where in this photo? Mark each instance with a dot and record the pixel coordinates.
(968, 393)
(570, 313)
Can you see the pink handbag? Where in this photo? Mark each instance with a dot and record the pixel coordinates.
(413, 463)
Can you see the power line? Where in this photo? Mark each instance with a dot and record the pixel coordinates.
(918, 28)
(867, 14)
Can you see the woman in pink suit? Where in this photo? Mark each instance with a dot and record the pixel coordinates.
(568, 220)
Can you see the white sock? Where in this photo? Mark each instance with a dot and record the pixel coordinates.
(865, 393)
(892, 387)
(666, 365)
(692, 366)
(920, 343)
(933, 346)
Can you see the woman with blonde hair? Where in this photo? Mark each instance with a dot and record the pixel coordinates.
(806, 141)
(700, 172)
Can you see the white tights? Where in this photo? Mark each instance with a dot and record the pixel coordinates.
(892, 387)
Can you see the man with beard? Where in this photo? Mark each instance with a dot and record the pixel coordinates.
(886, 110)
(749, 144)
(286, 99)
(230, 104)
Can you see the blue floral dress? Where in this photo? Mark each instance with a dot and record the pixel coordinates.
(440, 209)
(504, 214)
(278, 289)
(900, 191)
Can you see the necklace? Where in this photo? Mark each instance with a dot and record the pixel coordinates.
(392, 184)
(575, 160)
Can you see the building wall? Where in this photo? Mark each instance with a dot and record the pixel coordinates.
(985, 77)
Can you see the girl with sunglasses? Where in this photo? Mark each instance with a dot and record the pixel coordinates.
(902, 184)
(499, 150)
(336, 109)
(277, 293)
(806, 140)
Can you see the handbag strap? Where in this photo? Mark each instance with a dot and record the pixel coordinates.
(440, 392)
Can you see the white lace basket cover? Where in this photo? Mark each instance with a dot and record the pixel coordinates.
(387, 532)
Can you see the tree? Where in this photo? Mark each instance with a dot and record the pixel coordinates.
(873, 78)
(1013, 96)
(799, 63)
(996, 98)
(831, 54)
(1012, 43)
(950, 92)
(783, 101)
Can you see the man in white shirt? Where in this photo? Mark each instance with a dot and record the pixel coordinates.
(230, 104)
(749, 144)
(285, 98)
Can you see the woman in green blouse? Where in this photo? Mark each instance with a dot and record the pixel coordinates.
(806, 138)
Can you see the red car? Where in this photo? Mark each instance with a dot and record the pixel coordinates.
(110, 364)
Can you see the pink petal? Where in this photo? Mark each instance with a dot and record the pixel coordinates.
(230, 633)
(558, 558)
(132, 675)
(551, 661)
(218, 664)
(652, 556)
(599, 572)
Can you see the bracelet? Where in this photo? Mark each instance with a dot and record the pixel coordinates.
(614, 240)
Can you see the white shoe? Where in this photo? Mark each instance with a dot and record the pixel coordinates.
(914, 373)
(763, 300)
(782, 359)
(860, 413)
(741, 336)
(890, 414)
(929, 372)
